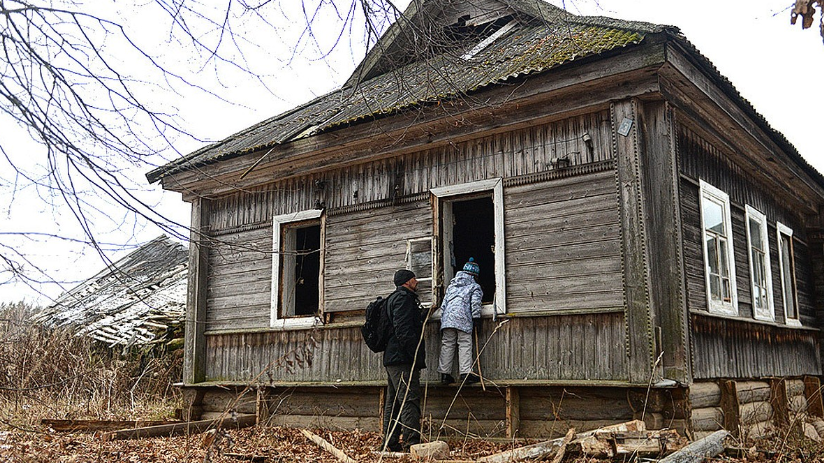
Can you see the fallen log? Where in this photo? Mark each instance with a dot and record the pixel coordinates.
(185, 427)
(699, 450)
(325, 445)
(549, 448)
(100, 425)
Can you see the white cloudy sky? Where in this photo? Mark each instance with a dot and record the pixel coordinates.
(776, 66)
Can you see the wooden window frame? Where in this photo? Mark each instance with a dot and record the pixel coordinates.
(782, 229)
(711, 193)
(754, 215)
(453, 192)
(431, 279)
(278, 222)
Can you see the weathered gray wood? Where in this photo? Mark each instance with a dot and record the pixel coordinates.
(699, 450)
(726, 347)
(196, 306)
(707, 419)
(633, 239)
(660, 179)
(189, 427)
(753, 391)
(99, 425)
(705, 394)
(543, 450)
(755, 412)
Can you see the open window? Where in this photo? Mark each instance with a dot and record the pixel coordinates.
(470, 221)
(297, 269)
(786, 259)
(760, 273)
(719, 260)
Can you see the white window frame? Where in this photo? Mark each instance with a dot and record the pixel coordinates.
(496, 187)
(785, 230)
(711, 193)
(278, 222)
(754, 214)
(431, 280)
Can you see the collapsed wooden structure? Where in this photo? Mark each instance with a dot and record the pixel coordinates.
(137, 300)
(644, 235)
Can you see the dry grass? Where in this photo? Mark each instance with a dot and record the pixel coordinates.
(50, 373)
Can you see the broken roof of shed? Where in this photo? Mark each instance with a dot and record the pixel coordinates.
(131, 302)
(404, 71)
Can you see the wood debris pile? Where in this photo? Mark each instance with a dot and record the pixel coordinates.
(234, 443)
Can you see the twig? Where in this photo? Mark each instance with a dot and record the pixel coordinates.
(322, 443)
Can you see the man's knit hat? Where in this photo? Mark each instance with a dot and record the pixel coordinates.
(472, 267)
(402, 276)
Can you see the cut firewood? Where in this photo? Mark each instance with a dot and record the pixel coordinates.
(606, 444)
(699, 450)
(549, 448)
(186, 427)
(325, 445)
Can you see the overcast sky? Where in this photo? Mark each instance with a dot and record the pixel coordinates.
(776, 66)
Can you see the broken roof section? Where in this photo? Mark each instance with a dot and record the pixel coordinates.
(135, 300)
(497, 42)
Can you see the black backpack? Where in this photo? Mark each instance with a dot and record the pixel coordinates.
(378, 327)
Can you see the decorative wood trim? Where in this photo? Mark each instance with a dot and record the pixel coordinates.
(196, 305)
(240, 229)
(638, 330)
(377, 204)
(555, 174)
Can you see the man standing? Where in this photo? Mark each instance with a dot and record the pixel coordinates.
(403, 359)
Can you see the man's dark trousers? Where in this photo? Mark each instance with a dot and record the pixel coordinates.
(409, 424)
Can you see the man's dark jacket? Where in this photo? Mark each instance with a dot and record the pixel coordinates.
(407, 321)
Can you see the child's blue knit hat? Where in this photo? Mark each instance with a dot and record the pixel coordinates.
(472, 267)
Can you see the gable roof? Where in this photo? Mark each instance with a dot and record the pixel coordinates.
(133, 301)
(538, 37)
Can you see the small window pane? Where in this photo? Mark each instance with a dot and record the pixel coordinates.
(712, 254)
(755, 234)
(722, 253)
(713, 216)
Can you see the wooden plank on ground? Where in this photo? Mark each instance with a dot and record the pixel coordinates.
(186, 427)
(100, 425)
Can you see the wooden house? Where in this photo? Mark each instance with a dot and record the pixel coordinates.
(636, 221)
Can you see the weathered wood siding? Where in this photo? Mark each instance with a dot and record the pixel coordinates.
(563, 245)
(734, 348)
(562, 347)
(364, 248)
(716, 341)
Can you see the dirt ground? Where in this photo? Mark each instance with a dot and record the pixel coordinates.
(281, 445)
